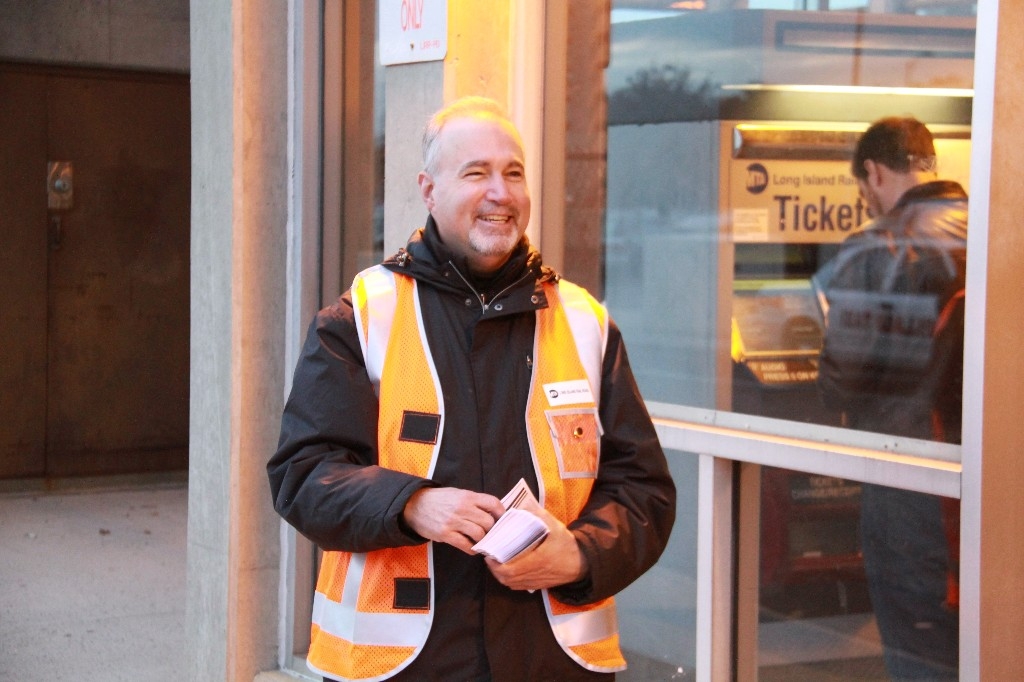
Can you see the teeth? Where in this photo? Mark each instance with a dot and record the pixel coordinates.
(496, 218)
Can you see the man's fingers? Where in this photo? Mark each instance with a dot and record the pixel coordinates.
(452, 515)
(556, 561)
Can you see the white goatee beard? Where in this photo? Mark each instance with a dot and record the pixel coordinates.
(493, 244)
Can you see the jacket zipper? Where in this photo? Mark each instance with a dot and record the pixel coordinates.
(484, 304)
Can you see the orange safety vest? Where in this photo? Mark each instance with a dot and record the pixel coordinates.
(372, 611)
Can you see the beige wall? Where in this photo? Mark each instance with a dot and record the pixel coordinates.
(130, 34)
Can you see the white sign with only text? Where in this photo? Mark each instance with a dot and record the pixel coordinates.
(412, 31)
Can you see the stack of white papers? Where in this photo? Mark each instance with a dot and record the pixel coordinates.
(517, 530)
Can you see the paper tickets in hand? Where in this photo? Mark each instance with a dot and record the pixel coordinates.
(517, 530)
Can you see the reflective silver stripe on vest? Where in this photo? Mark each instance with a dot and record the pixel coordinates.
(343, 619)
(590, 335)
(580, 316)
(367, 629)
(583, 627)
(374, 340)
(375, 629)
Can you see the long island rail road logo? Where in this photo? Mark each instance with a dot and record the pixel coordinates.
(794, 201)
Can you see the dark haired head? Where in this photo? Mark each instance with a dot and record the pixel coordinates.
(902, 144)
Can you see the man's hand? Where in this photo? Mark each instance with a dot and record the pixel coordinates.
(451, 515)
(557, 560)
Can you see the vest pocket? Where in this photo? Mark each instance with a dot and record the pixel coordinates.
(576, 435)
(412, 593)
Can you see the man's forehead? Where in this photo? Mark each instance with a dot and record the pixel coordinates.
(483, 126)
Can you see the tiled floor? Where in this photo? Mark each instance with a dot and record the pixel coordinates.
(92, 584)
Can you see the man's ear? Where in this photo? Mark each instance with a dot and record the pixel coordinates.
(426, 184)
(874, 173)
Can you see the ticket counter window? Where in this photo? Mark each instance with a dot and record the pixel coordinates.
(729, 197)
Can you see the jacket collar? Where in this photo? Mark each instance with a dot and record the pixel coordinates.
(937, 189)
(429, 260)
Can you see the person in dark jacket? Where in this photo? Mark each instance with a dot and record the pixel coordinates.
(455, 369)
(892, 362)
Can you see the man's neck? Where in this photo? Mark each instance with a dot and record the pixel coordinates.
(903, 183)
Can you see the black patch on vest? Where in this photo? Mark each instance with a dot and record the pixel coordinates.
(412, 593)
(420, 427)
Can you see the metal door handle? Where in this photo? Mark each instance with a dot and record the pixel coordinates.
(60, 185)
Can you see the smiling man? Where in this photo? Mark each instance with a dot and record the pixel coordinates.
(474, 185)
(446, 375)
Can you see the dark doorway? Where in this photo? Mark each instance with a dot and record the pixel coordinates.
(94, 272)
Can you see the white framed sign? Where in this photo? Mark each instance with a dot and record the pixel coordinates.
(412, 31)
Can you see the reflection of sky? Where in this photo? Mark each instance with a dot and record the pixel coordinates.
(739, 47)
(713, 46)
(623, 11)
(621, 16)
(806, 4)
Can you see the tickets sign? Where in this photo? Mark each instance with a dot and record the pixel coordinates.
(781, 198)
(793, 201)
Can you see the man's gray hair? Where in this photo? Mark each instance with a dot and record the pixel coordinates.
(465, 107)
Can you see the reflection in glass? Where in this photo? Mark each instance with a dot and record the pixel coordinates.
(729, 194)
(892, 362)
(857, 581)
(729, 187)
(892, 357)
(657, 613)
(815, 617)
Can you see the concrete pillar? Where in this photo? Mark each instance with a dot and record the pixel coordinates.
(239, 211)
(993, 468)
(412, 92)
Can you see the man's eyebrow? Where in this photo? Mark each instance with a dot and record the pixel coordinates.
(473, 164)
(478, 163)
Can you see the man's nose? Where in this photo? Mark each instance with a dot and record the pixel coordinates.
(498, 188)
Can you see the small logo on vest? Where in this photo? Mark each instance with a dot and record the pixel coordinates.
(569, 392)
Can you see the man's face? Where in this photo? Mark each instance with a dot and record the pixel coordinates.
(477, 193)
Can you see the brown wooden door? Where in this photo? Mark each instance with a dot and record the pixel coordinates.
(22, 274)
(95, 343)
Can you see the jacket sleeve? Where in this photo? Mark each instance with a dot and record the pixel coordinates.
(324, 477)
(625, 525)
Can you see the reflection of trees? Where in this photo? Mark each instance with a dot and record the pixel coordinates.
(663, 93)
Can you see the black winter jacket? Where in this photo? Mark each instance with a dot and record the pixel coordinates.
(893, 363)
(325, 481)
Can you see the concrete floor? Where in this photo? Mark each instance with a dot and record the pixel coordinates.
(92, 583)
(92, 589)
